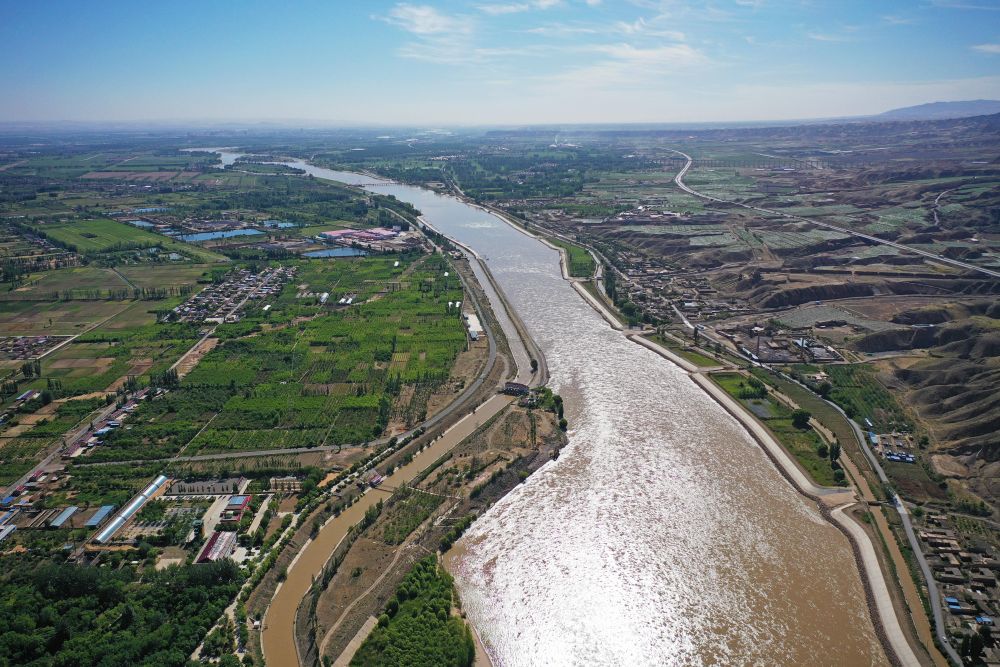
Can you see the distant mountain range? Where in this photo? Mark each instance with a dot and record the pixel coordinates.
(942, 110)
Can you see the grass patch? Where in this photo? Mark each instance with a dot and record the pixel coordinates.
(581, 262)
(690, 354)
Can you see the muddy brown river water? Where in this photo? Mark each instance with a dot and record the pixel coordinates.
(662, 535)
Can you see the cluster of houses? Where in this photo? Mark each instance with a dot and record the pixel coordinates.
(224, 301)
(967, 578)
(71, 516)
(27, 347)
(658, 291)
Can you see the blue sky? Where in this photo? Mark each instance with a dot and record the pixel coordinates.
(474, 62)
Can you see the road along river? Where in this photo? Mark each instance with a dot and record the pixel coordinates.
(663, 535)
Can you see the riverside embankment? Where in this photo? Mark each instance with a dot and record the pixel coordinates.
(663, 534)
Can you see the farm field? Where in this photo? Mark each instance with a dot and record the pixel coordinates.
(97, 235)
(74, 281)
(133, 346)
(334, 378)
(103, 235)
(862, 396)
(164, 276)
(18, 453)
(693, 356)
(59, 318)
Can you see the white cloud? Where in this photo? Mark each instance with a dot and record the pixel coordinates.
(643, 27)
(560, 29)
(827, 37)
(671, 54)
(625, 68)
(426, 20)
(987, 48)
(896, 19)
(441, 38)
(963, 4)
(498, 9)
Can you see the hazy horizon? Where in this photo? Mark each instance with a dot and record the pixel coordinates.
(467, 63)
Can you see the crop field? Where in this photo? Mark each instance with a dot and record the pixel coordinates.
(805, 316)
(97, 359)
(725, 184)
(19, 454)
(182, 162)
(714, 240)
(77, 281)
(102, 235)
(330, 379)
(862, 396)
(407, 510)
(111, 484)
(676, 230)
(688, 353)
(314, 230)
(64, 166)
(792, 240)
(903, 215)
(167, 276)
(98, 235)
(364, 277)
(59, 318)
(818, 209)
(98, 162)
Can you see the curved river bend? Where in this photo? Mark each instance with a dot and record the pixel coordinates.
(662, 535)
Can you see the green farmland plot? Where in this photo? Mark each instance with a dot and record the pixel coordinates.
(97, 359)
(862, 396)
(332, 377)
(102, 235)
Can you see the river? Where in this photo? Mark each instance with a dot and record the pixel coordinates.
(662, 535)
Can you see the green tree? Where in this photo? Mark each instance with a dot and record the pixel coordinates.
(800, 418)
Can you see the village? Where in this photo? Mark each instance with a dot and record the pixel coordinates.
(965, 568)
(222, 302)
